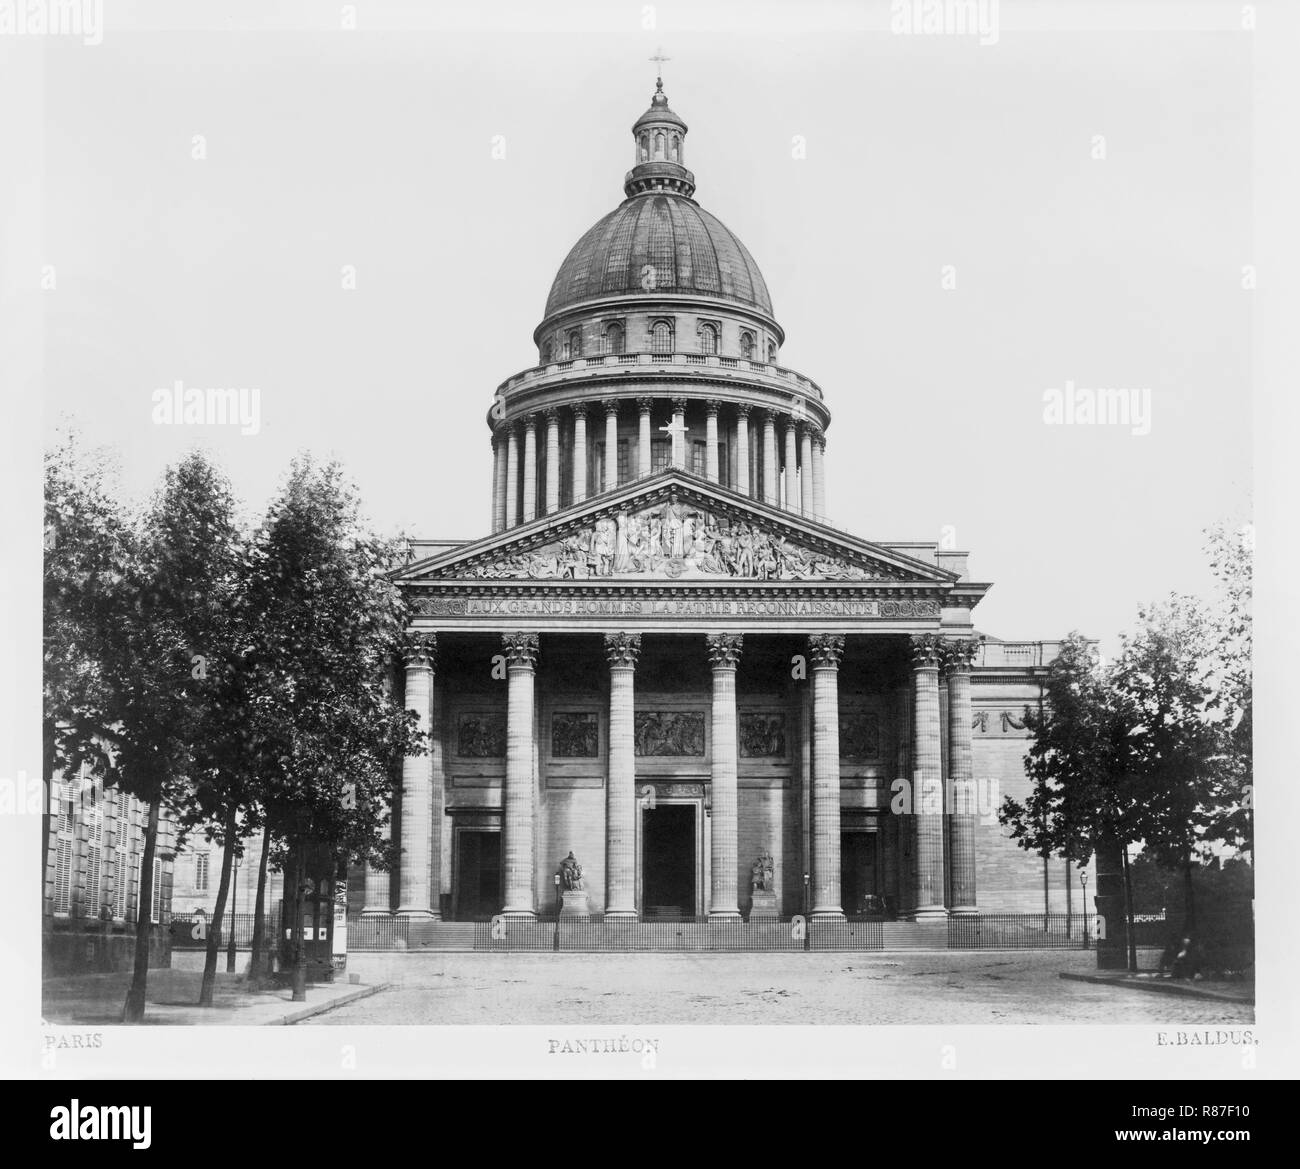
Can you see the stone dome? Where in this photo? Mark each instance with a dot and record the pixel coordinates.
(691, 252)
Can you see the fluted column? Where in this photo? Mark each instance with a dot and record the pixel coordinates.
(819, 474)
(621, 650)
(825, 651)
(790, 497)
(927, 784)
(711, 408)
(770, 469)
(679, 433)
(958, 657)
(530, 468)
(579, 452)
(417, 784)
(741, 475)
(552, 416)
(379, 885)
(806, 475)
(498, 483)
(521, 662)
(611, 444)
(724, 655)
(643, 406)
(512, 476)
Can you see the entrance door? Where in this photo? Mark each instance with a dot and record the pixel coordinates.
(857, 870)
(668, 860)
(478, 874)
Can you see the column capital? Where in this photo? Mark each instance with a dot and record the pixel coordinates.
(644, 405)
(743, 409)
(679, 405)
(957, 654)
(622, 649)
(819, 437)
(579, 409)
(530, 423)
(420, 651)
(611, 407)
(826, 649)
(925, 650)
(812, 430)
(521, 650)
(551, 414)
(712, 406)
(724, 649)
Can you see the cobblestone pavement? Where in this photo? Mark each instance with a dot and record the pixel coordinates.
(631, 989)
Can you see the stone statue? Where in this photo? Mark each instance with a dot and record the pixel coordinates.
(571, 873)
(761, 873)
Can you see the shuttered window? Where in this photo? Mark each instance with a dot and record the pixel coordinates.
(64, 850)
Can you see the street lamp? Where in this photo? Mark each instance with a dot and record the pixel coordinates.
(805, 893)
(1083, 880)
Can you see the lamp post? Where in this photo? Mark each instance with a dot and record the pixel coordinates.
(555, 944)
(230, 923)
(806, 878)
(1083, 880)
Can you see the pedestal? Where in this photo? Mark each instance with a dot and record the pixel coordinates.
(763, 907)
(573, 903)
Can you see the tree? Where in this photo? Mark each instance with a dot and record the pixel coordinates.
(329, 736)
(1080, 766)
(196, 526)
(1179, 785)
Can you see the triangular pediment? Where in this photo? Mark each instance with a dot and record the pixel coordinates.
(672, 527)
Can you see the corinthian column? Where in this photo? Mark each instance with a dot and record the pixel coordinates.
(741, 473)
(819, 474)
(791, 500)
(927, 784)
(512, 475)
(724, 655)
(498, 484)
(825, 651)
(769, 459)
(552, 416)
(958, 656)
(678, 434)
(711, 408)
(579, 452)
(621, 649)
(806, 477)
(643, 406)
(530, 468)
(611, 444)
(521, 662)
(417, 785)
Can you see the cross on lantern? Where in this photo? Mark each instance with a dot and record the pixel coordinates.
(659, 60)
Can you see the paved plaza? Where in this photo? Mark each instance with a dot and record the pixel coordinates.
(631, 989)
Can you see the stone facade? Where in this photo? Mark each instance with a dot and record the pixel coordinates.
(665, 661)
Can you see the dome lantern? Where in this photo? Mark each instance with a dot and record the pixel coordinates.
(659, 136)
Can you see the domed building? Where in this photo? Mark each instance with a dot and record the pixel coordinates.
(665, 670)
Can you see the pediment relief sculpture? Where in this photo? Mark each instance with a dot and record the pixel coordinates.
(672, 541)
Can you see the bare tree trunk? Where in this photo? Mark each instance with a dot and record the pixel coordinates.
(1128, 915)
(1189, 898)
(299, 943)
(133, 1009)
(259, 968)
(219, 912)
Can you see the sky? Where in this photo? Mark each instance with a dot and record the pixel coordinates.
(949, 230)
